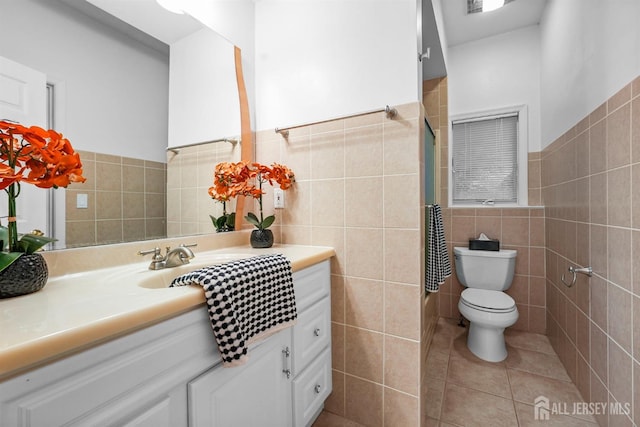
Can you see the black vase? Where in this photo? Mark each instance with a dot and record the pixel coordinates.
(26, 275)
(261, 238)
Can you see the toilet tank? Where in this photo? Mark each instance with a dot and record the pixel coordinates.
(492, 270)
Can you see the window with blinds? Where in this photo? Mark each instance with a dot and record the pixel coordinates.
(485, 160)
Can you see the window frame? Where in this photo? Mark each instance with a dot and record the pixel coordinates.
(522, 156)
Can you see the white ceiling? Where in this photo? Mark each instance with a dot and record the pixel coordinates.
(461, 27)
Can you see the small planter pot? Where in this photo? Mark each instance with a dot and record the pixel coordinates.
(26, 275)
(261, 238)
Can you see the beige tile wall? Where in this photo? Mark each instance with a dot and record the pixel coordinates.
(358, 189)
(590, 187)
(535, 179)
(189, 176)
(521, 229)
(126, 201)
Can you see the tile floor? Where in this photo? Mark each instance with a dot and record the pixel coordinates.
(463, 390)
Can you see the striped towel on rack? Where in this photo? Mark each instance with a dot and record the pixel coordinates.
(247, 300)
(438, 266)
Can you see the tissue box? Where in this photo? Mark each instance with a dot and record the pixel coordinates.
(484, 245)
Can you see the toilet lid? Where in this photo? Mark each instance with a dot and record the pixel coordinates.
(488, 300)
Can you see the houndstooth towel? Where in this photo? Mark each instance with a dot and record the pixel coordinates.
(438, 266)
(247, 300)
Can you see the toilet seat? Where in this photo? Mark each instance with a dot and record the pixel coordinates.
(486, 300)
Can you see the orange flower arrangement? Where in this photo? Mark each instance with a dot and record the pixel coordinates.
(246, 179)
(221, 192)
(35, 156)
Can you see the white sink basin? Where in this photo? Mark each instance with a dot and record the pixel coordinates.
(159, 279)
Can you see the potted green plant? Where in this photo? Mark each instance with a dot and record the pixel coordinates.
(43, 158)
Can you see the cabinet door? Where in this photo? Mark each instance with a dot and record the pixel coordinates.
(159, 415)
(167, 410)
(255, 394)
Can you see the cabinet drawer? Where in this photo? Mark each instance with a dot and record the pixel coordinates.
(311, 334)
(311, 388)
(311, 284)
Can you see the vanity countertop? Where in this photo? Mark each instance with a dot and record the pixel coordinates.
(80, 310)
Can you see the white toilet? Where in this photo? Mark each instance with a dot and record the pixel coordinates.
(489, 310)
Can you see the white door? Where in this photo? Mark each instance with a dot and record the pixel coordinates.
(23, 98)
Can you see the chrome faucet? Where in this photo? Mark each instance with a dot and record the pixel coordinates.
(173, 257)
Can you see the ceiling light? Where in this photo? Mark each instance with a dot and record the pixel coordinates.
(475, 6)
(489, 5)
(171, 6)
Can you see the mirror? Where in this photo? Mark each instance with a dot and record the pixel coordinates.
(111, 99)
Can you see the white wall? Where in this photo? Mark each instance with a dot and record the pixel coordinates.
(590, 50)
(232, 19)
(235, 21)
(203, 93)
(115, 89)
(325, 59)
(497, 72)
(437, 11)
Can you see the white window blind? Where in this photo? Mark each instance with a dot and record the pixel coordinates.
(485, 160)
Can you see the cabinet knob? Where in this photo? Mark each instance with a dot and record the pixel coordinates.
(317, 388)
(316, 332)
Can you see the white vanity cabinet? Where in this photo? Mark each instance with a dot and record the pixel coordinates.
(288, 376)
(170, 374)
